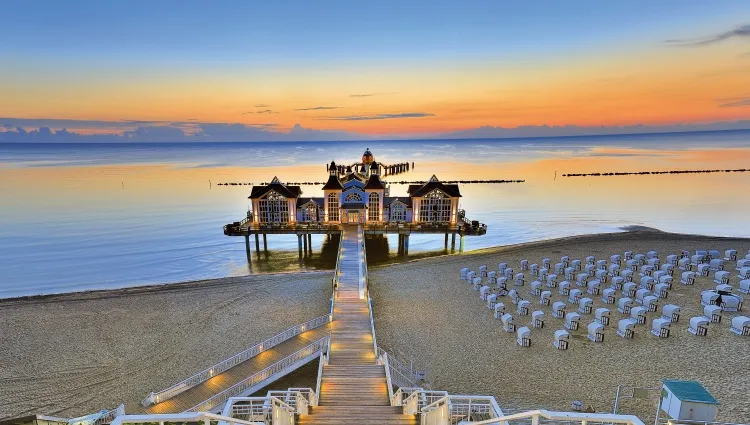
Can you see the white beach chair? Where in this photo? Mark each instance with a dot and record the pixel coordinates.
(576, 264)
(464, 271)
(730, 255)
(671, 312)
(536, 288)
(559, 268)
(668, 268)
(564, 288)
(652, 254)
(721, 277)
(543, 273)
(638, 314)
(628, 289)
(615, 260)
(575, 296)
(565, 260)
(534, 269)
(617, 283)
(470, 276)
(602, 315)
(687, 278)
(624, 305)
(672, 260)
(640, 294)
(698, 325)
(590, 269)
(743, 272)
(492, 277)
(601, 275)
(660, 327)
(545, 263)
(685, 254)
(582, 279)
(537, 319)
(717, 264)
(508, 273)
(594, 287)
(595, 332)
(601, 265)
(712, 313)
(514, 298)
(545, 297)
(572, 321)
(626, 328)
(483, 292)
(685, 264)
(632, 265)
(476, 283)
(744, 286)
(499, 310)
(714, 254)
(524, 265)
(697, 260)
(661, 290)
(502, 283)
(519, 280)
(651, 302)
(585, 305)
(552, 281)
(502, 266)
(658, 274)
(509, 325)
(647, 282)
(608, 296)
(640, 259)
(570, 273)
(491, 300)
(590, 259)
(614, 270)
(523, 336)
(654, 262)
(558, 309)
(523, 307)
(628, 255)
(482, 271)
(561, 339)
(741, 325)
(647, 270)
(709, 298)
(731, 303)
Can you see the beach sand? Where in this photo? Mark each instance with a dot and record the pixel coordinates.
(423, 311)
(74, 354)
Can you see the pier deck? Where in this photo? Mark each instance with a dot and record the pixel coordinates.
(353, 387)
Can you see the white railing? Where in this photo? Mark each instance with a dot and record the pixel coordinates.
(454, 409)
(414, 399)
(689, 422)
(401, 374)
(197, 417)
(238, 358)
(255, 379)
(300, 399)
(536, 417)
(268, 409)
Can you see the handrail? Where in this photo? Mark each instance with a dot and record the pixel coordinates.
(194, 417)
(388, 376)
(236, 359)
(260, 376)
(402, 375)
(607, 418)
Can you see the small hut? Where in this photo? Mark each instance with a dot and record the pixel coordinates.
(687, 401)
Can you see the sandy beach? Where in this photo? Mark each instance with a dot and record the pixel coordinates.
(424, 311)
(73, 354)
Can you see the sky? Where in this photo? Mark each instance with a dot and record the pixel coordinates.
(341, 69)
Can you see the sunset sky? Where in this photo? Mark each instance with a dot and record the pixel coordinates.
(374, 68)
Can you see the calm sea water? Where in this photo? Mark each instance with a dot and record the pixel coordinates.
(78, 217)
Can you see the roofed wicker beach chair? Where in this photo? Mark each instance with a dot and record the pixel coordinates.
(559, 309)
(626, 328)
(741, 325)
(602, 315)
(545, 297)
(523, 336)
(671, 312)
(698, 325)
(660, 327)
(585, 305)
(562, 337)
(572, 321)
(509, 325)
(608, 296)
(638, 314)
(595, 332)
(537, 319)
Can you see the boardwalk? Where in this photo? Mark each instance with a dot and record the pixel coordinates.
(202, 392)
(353, 386)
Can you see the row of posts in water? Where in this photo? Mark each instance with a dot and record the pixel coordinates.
(387, 169)
(642, 173)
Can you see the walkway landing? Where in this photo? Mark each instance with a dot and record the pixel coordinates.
(353, 386)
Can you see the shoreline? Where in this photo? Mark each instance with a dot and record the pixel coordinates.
(628, 232)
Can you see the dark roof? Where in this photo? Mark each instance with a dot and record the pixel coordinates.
(286, 191)
(421, 190)
(353, 206)
(303, 201)
(333, 183)
(351, 176)
(374, 183)
(404, 200)
(691, 391)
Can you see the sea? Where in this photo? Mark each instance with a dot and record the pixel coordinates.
(77, 217)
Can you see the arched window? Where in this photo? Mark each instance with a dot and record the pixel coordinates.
(333, 207)
(353, 197)
(435, 207)
(373, 214)
(310, 212)
(398, 212)
(274, 208)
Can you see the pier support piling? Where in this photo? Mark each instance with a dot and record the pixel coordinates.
(309, 242)
(247, 246)
(461, 245)
(453, 241)
(257, 244)
(265, 243)
(406, 246)
(299, 244)
(446, 241)
(304, 236)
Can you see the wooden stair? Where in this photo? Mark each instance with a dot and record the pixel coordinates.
(353, 387)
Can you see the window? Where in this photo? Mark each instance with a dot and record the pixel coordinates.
(374, 203)
(310, 212)
(436, 207)
(353, 197)
(274, 208)
(398, 212)
(333, 207)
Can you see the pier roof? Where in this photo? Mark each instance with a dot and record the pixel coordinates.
(374, 183)
(303, 201)
(433, 183)
(333, 183)
(277, 186)
(388, 200)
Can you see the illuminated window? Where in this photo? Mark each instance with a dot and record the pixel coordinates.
(274, 208)
(435, 207)
(398, 212)
(353, 197)
(310, 212)
(374, 203)
(333, 207)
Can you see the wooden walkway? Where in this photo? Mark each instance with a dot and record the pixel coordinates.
(226, 379)
(353, 386)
